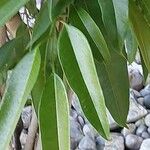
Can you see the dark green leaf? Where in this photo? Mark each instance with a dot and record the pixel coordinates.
(54, 116)
(13, 51)
(42, 23)
(141, 30)
(78, 64)
(109, 20)
(19, 86)
(114, 82)
(9, 8)
(38, 88)
(131, 45)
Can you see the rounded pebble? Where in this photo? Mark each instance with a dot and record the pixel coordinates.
(141, 129)
(147, 120)
(147, 101)
(145, 145)
(133, 141)
(145, 135)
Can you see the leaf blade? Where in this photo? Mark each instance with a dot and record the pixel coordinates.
(83, 71)
(14, 100)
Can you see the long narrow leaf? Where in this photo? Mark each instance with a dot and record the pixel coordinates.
(114, 82)
(54, 116)
(81, 19)
(9, 9)
(142, 31)
(19, 86)
(78, 65)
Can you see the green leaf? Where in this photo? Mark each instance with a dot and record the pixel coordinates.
(82, 20)
(114, 82)
(122, 19)
(54, 115)
(78, 64)
(60, 7)
(9, 9)
(42, 23)
(19, 86)
(109, 20)
(141, 30)
(145, 71)
(13, 51)
(38, 88)
(145, 8)
(131, 45)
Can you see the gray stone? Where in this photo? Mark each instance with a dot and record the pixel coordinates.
(23, 138)
(145, 135)
(100, 143)
(26, 116)
(133, 142)
(145, 144)
(88, 132)
(135, 78)
(141, 129)
(145, 91)
(81, 120)
(140, 100)
(147, 120)
(147, 101)
(130, 130)
(73, 113)
(139, 122)
(116, 143)
(136, 112)
(75, 133)
(136, 93)
(148, 130)
(87, 144)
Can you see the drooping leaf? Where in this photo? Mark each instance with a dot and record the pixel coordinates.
(13, 50)
(9, 9)
(114, 82)
(19, 86)
(141, 30)
(54, 116)
(59, 7)
(144, 6)
(78, 64)
(109, 20)
(122, 19)
(145, 70)
(38, 88)
(42, 23)
(131, 45)
(82, 20)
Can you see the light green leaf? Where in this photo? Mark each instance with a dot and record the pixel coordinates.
(114, 82)
(78, 64)
(19, 86)
(9, 8)
(141, 30)
(54, 116)
(82, 20)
